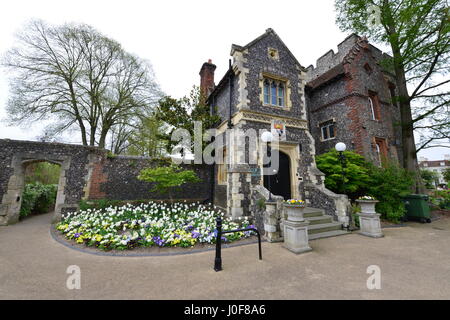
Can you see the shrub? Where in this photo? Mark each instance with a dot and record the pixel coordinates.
(441, 198)
(38, 198)
(388, 185)
(357, 177)
(168, 178)
(430, 178)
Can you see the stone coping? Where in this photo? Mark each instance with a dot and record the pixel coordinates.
(144, 252)
(367, 201)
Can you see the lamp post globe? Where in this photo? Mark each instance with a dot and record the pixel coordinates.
(267, 136)
(340, 147)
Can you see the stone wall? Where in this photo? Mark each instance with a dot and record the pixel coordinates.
(86, 173)
(115, 178)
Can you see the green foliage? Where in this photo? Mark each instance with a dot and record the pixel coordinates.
(357, 177)
(430, 178)
(446, 174)
(181, 114)
(355, 210)
(38, 198)
(168, 177)
(146, 140)
(441, 198)
(261, 203)
(388, 185)
(42, 172)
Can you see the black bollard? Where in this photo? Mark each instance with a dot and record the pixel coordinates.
(218, 260)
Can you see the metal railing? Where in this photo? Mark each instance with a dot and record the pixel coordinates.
(218, 259)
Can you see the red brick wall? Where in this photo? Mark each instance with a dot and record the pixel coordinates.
(98, 177)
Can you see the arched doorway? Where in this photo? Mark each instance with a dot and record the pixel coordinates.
(280, 181)
(40, 187)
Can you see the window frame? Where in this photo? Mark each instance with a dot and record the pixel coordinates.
(274, 92)
(374, 104)
(326, 125)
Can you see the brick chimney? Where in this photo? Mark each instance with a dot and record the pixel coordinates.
(207, 78)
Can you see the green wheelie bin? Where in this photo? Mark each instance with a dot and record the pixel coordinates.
(417, 207)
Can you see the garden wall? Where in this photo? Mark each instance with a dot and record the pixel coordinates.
(114, 178)
(87, 173)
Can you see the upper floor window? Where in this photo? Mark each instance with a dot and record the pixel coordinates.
(381, 150)
(374, 105)
(274, 92)
(327, 130)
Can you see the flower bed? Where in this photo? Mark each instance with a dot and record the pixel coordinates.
(147, 225)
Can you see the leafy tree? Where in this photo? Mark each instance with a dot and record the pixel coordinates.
(79, 78)
(446, 174)
(167, 178)
(388, 184)
(418, 33)
(181, 114)
(356, 170)
(430, 178)
(146, 140)
(42, 172)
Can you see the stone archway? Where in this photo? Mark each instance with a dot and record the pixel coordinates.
(76, 164)
(12, 199)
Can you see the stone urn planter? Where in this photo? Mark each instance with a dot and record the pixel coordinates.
(369, 219)
(295, 229)
(295, 212)
(367, 206)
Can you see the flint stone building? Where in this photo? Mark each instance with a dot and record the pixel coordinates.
(347, 97)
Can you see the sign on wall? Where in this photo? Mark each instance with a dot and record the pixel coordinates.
(278, 129)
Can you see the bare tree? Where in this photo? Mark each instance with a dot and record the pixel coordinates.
(76, 76)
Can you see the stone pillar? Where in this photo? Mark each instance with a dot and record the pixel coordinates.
(369, 220)
(369, 224)
(296, 236)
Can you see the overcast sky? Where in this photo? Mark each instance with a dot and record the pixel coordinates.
(178, 36)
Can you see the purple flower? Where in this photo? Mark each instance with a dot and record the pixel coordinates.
(195, 234)
(224, 239)
(77, 235)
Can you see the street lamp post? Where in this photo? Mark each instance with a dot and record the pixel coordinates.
(267, 137)
(340, 148)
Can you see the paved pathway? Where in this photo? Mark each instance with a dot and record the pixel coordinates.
(414, 262)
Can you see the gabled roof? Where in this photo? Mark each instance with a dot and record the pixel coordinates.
(269, 31)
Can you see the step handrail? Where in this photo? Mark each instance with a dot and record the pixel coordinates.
(218, 258)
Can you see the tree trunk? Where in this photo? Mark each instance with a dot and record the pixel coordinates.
(409, 152)
(102, 140)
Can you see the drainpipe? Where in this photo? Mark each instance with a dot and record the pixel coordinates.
(230, 82)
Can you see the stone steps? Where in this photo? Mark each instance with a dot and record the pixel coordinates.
(328, 234)
(319, 220)
(322, 225)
